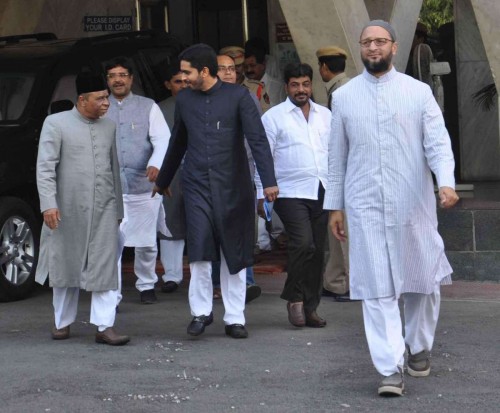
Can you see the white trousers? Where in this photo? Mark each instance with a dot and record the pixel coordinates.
(384, 333)
(233, 288)
(144, 266)
(171, 253)
(102, 307)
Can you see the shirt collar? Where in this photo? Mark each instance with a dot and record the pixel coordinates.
(119, 102)
(77, 113)
(289, 106)
(214, 88)
(331, 83)
(387, 77)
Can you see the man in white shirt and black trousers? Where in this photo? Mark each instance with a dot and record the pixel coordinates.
(298, 131)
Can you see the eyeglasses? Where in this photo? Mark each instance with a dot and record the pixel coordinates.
(120, 75)
(229, 69)
(378, 42)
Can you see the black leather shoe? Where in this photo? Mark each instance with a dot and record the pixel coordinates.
(253, 292)
(148, 297)
(343, 298)
(198, 324)
(169, 287)
(236, 331)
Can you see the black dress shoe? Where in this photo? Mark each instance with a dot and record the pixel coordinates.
(169, 287)
(236, 331)
(148, 297)
(343, 298)
(198, 324)
(253, 292)
(326, 293)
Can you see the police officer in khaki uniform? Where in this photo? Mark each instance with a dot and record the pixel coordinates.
(331, 61)
(256, 87)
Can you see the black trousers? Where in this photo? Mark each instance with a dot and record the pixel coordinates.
(305, 223)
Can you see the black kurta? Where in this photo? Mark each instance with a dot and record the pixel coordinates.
(218, 194)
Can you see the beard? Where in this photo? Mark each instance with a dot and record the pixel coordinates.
(300, 103)
(381, 66)
(197, 84)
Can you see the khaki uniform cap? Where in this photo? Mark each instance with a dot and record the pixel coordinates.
(236, 52)
(331, 51)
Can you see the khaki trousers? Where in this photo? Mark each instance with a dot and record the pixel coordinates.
(336, 275)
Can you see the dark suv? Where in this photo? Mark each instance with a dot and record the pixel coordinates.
(37, 77)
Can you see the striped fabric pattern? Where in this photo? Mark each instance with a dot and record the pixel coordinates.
(387, 136)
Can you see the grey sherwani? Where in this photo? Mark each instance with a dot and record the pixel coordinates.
(77, 172)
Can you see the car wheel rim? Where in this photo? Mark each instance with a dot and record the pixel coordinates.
(17, 250)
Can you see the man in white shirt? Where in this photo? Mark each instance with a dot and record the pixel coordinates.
(142, 137)
(298, 131)
(388, 134)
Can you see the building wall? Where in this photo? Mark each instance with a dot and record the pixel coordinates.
(65, 18)
(478, 129)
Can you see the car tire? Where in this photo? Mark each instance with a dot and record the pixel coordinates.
(19, 248)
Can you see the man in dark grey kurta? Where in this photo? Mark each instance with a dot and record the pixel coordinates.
(172, 244)
(81, 200)
(211, 118)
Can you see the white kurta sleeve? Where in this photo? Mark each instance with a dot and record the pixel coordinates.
(271, 132)
(49, 154)
(338, 149)
(437, 144)
(159, 135)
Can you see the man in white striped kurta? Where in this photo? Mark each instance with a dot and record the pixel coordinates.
(387, 136)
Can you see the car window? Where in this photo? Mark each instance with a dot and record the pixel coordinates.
(15, 89)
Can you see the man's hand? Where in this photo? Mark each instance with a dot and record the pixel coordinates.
(158, 190)
(271, 193)
(336, 224)
(447, 197)
(51, 217)
(260, 209)
(152, 173)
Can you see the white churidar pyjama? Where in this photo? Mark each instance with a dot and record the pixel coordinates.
(383, 328)
(233, 288)
(171, 253)
(102, 307)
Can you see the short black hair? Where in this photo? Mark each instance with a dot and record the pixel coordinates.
(258, 53)
(297, 70)
(201, 55)
(335, 64)
(122, 61)
(170, 69)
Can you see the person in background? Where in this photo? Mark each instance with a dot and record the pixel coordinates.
(172, 244)
(227, 73)
(142, 137)
(332, 62)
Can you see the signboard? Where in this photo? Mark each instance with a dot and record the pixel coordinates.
(283, 33)
(107, 23)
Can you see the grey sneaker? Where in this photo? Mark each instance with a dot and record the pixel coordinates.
(419, 364)
(392, 385)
